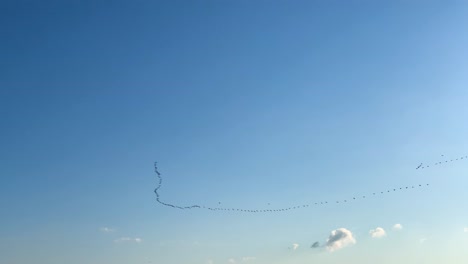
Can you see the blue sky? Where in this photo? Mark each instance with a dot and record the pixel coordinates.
(247, 104)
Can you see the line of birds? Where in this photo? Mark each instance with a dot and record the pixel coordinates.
(272, 210)
(159, 186)
(420, 166)
(309, 205)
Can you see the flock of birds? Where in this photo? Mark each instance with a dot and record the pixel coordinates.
(420, 166)
(318, 203)
(157, 194)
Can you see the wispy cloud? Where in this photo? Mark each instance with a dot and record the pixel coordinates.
(107, 230)
(128, 239)
(241, 260)
(295, 246)
(339, 239)
(377, 233)
(397, 227)
(247, 259)
(465, 229)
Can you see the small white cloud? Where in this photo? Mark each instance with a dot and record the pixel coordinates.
(210, 261)
(422, 240)
(465, 229)
(377, 233)
(295, 246)
(128, 239)
(397, 227)
(339, 239)
(107, 230)
(247, 259)
(241, 260)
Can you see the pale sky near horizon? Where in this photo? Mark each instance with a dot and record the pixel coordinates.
(243, 104)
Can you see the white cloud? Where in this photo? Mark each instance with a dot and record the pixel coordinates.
(295, 246)
(210, 261)
(247, 259)
(339, 239)
(107, 230)
(397, 227)
(241, 260)
(422, 240)
(377, 233)
(465, 229)
(128, 239)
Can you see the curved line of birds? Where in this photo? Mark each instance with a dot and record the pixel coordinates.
(157, 194)
(158, 174)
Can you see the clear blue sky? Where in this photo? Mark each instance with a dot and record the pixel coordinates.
(243, 103)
